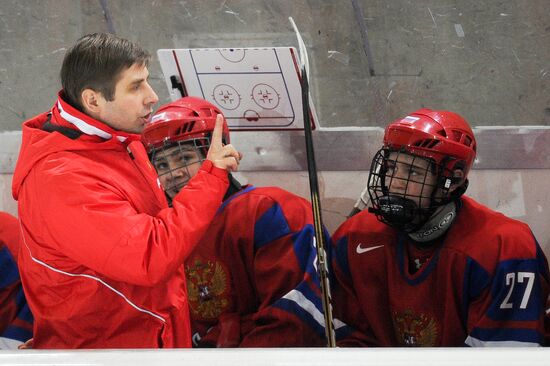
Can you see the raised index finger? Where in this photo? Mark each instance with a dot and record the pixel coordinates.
(218, 132)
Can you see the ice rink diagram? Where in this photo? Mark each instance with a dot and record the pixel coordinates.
(255, 88)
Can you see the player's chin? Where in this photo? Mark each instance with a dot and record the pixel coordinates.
(173, 192)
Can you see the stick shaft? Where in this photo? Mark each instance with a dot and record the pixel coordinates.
(322, 265)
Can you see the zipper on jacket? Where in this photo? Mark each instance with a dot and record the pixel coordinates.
(144, 175)
(130, 153)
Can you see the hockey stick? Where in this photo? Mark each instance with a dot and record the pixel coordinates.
(319, 239)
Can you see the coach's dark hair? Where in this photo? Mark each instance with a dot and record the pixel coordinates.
(96, 62)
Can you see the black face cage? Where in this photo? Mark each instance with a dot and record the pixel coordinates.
(400, 208)
(173, 160)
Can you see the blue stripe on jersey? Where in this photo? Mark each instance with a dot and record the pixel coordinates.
(343, 332)
(310, 294)
(8, 269)
(476, 279)
(340, 252)
(303, 248)
(270, 226)
(232, 197)
(516, 291)
(17, 333)
(400, 252)
(20, 298)
(24, 312)
(507, 334)
(292, 307)
(303, 310)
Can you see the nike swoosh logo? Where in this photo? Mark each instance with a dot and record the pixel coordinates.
(361, 250)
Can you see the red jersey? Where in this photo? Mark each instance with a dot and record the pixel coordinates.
(484, 284)
(15, 316)
(251, 280)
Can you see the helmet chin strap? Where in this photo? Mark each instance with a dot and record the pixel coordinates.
(436, 225)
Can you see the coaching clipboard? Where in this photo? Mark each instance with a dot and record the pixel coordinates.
(255, 88)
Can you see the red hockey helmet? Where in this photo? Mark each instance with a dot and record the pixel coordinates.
(178, 139)
(437, 144)
(187, 118)
(443, 136)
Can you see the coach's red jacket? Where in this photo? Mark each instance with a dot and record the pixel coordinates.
(101, 256)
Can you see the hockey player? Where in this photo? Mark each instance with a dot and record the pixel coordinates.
(427, 266)
(251, 280)
(15, 316)
(102, 253)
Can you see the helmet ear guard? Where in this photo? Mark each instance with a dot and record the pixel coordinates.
(455, 183)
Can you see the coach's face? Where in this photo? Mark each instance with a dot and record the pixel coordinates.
(133, 101)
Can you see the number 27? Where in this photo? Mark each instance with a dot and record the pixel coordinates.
(511, 281)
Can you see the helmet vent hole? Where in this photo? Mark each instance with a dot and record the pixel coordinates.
(457, 136)
(442, 133)
(427, 143)
(432, 144)
(207, 112)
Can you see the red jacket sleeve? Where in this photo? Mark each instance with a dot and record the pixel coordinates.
(100, 226)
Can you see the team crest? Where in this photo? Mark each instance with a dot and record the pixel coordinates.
(415, 330)
(207, 288)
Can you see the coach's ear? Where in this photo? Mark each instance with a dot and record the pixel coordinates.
(92, 102)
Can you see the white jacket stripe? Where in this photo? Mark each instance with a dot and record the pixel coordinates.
(81, 125)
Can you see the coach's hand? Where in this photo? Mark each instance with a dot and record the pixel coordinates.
(222, 156)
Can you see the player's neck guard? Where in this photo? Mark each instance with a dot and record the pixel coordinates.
(436, 225)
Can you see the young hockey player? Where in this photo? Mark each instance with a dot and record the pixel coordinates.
(15, 316)
(427, 266)
(251, 280)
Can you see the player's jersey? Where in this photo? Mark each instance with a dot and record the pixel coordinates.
(251, 280)
(15, 316)
(485, 284)
(547, 322)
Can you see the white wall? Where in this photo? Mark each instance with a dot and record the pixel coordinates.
(284, 357)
